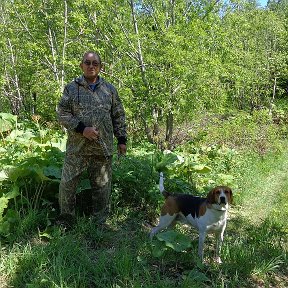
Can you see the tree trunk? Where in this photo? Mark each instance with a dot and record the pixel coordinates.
(169, 129)
(149, 132)
(273, 95)
(16, 98)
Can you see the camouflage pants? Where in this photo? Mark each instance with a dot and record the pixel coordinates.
(100, 175)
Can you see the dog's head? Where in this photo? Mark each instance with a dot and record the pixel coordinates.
(221, 196)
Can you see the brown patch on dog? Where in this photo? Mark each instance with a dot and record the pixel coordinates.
(170, 207)
(202, 209)
(230, 194)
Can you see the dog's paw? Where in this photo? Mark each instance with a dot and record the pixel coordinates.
(218, 260)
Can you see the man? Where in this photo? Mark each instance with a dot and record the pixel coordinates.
(91, 111)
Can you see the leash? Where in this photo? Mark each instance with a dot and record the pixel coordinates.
(103, 147)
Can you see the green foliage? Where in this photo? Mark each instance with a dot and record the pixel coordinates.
(194, 278)
(36, 253)
(170, 239)
(200, 167)
(168, 60)
(30, 169)
(259, 132)
(11, 216)
(7, 122)
(134, 183)
(191, 170)
(168, 159)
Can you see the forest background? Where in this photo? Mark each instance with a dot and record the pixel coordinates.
(204, 85)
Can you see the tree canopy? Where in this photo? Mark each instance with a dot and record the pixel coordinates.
(168, 59)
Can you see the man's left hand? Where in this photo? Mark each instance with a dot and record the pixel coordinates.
(122, 149)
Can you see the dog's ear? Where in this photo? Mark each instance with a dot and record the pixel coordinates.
(230, 195)
(211, 196)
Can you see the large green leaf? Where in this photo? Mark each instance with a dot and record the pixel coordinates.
(175, 240)
(4, 200)
(201, 168)
(4, 227)
(3, 175)
(22, 136)
(3, 205)
(52, 171)
(13, 193)
(11, 217)
(7, 121)
(168, 159)
(158, 248)
(198, 276)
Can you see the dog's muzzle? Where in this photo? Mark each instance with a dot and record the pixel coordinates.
(222, 200)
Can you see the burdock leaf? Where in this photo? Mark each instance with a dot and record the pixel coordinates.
(175, 240)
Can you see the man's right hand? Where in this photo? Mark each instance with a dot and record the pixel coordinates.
(91, 133)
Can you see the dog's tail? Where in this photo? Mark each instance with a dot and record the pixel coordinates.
(161, 186)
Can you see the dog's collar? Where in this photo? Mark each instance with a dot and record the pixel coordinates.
(212, 206)
(225, 209)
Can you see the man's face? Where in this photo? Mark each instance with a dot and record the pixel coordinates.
(91, 66)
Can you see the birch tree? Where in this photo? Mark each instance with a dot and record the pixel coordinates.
(10, 60)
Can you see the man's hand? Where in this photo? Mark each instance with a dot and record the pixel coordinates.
(91, 133)
(122, 149)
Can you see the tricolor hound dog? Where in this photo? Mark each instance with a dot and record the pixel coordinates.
(207, 215)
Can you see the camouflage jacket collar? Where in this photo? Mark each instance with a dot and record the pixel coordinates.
(82, 81)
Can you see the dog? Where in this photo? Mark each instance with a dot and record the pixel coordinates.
(207, 215)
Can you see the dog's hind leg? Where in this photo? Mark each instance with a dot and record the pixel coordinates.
(164, 222)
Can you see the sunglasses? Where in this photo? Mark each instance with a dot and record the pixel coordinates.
(94, 63)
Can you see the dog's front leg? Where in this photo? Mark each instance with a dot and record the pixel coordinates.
(219, 241)
(202, 236)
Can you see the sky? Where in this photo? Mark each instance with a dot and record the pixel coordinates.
(262, 2)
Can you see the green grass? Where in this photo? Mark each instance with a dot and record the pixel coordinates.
(117, 257)
(267, 181)
(120, 254)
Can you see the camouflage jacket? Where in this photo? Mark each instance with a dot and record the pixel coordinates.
(101, 108)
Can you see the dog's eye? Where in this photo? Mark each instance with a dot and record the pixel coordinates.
(217, 192)
(227, 192)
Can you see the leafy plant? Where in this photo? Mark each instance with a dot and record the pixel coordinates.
(194, 278)
(197, 168)
(170, 239)
(134, 182)
(8, 216)
(7, 122)
(30, 171)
